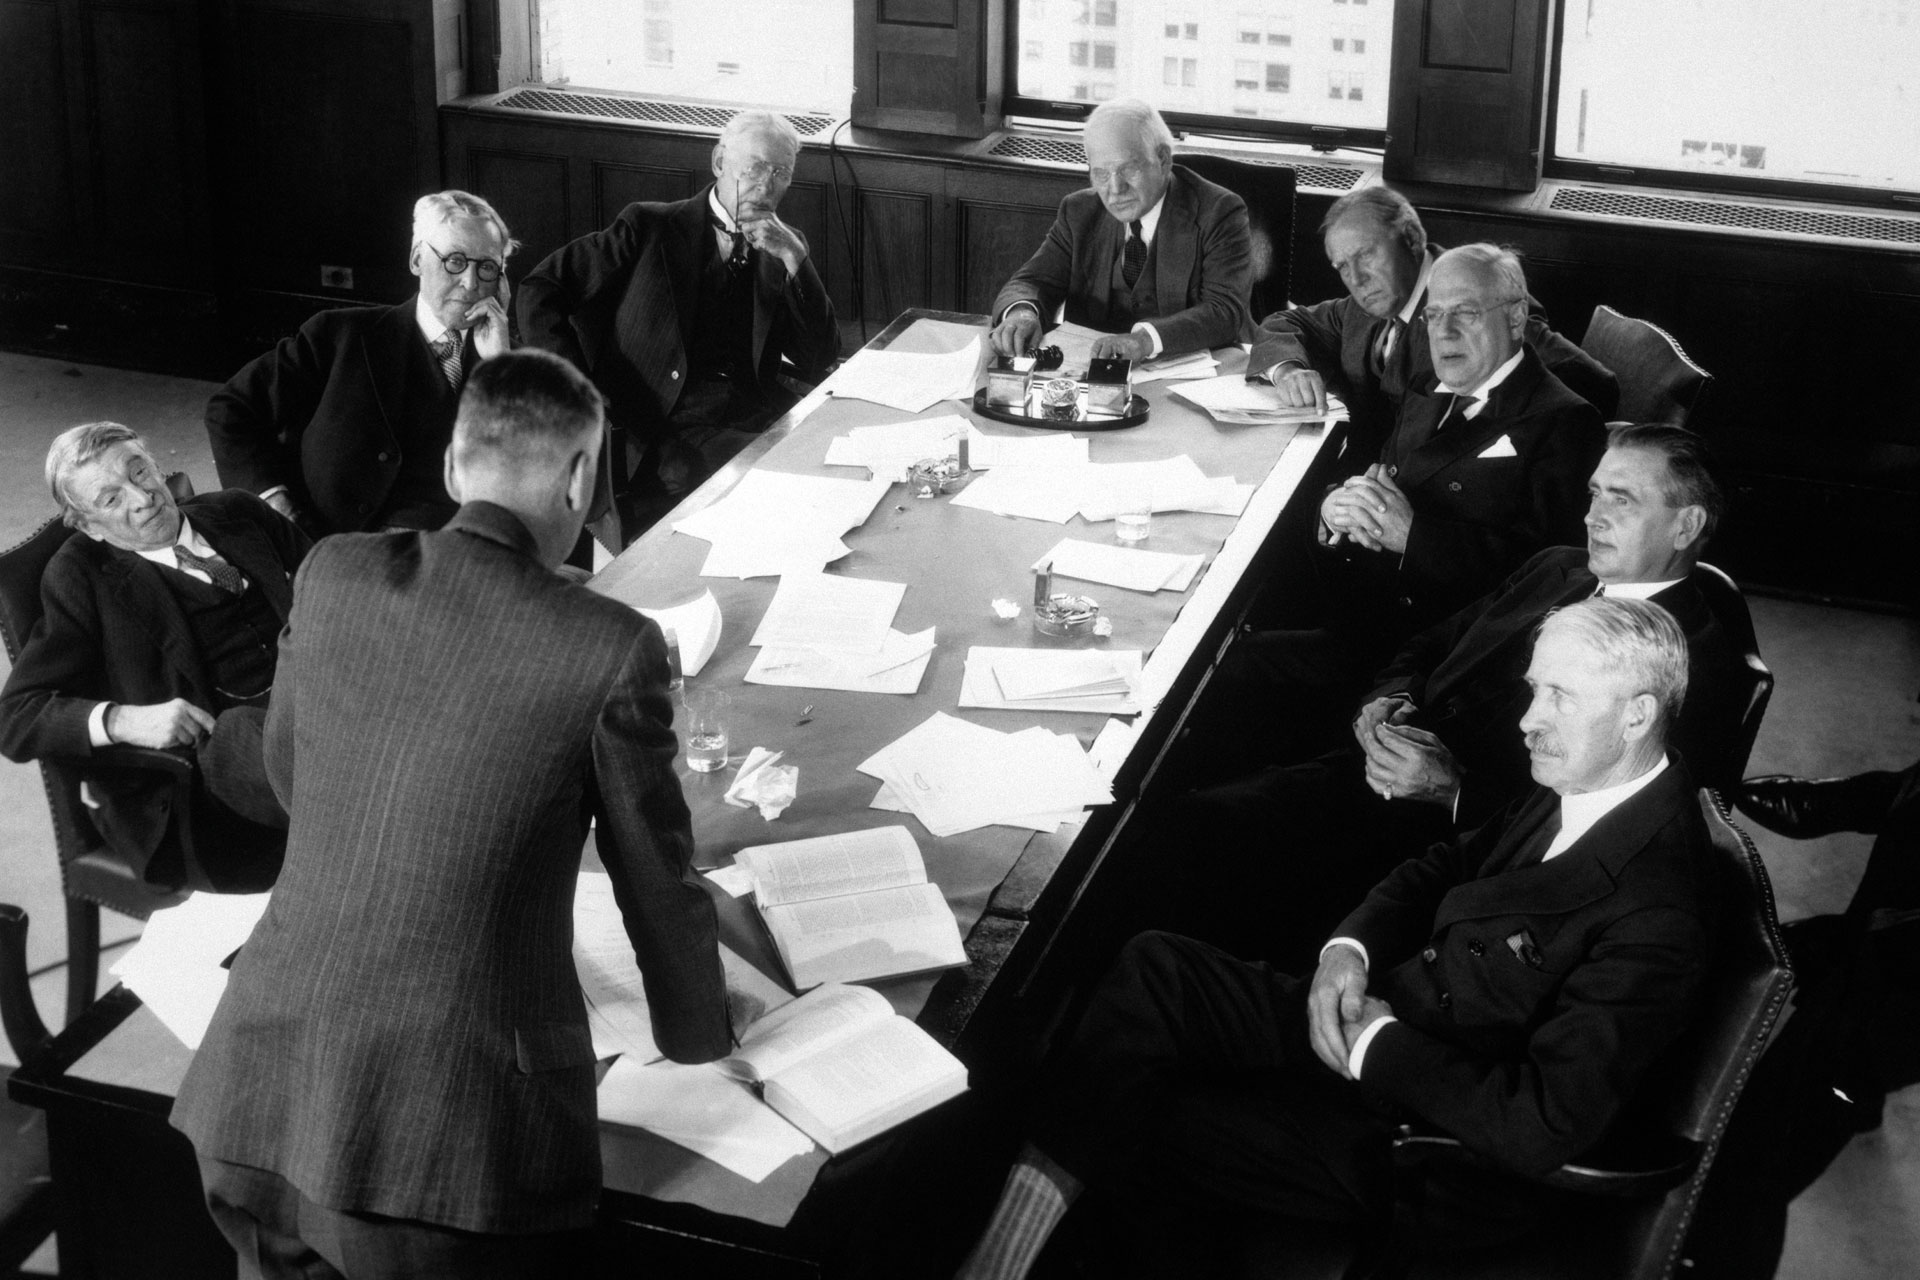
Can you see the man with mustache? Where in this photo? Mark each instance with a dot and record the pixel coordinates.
(344, 425)
(689, 317)
(1511, 987)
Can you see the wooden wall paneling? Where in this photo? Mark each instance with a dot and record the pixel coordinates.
(147, 153)
(995, 240)
(928, 66)
(807, 207)
(618, 185)
(1467, 102)
(37, 210)
(529, 190)
(895, 239)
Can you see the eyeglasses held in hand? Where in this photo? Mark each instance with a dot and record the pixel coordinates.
(456, 264)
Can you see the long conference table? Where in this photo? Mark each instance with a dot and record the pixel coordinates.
(127, 1193)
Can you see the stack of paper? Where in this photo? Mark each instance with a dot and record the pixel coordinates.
(1094, 680)
(1195, 364)
(774, 523)
(1237, 402)
(177, 967)
(695, 627)
(956, 776)
(905, 381)
(1120, 566)
(1055, 448)
(1033, 493)
(828, 632)
(889, 451)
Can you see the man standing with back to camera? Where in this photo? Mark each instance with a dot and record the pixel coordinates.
(399, 1080)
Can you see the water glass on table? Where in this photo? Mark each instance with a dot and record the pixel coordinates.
(706, 728)
(1133, 521)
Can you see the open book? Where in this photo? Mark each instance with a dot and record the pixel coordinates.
(842, 1065)
(848, 907)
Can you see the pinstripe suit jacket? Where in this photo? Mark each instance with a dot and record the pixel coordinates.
(404, 1034)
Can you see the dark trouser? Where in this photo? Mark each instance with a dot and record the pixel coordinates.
(234, 767)
(277, 1232)
(714, 420)
(1190, 1087)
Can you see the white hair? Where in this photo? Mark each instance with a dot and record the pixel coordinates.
(75, 448)
(745, 122)
(1142, 116)
(442, 207)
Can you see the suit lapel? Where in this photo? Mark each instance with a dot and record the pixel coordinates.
(682, 265)
(240, 545)
(1460, 439)
(388, 357)
(142, 593)
(1175, 242)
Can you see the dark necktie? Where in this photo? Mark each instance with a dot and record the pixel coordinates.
(446, 352)
(737, 246)
(1134, 260)
(1385, 343)
(224, 575)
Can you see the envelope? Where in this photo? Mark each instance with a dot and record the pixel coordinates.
(1501, 448)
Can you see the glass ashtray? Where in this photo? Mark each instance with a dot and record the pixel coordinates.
(1066, 616)
(931, 477)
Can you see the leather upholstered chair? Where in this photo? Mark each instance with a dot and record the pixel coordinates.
(91, 874)
(26, 1181)
(1268, 191)
(1658, 382)
(1730, 607)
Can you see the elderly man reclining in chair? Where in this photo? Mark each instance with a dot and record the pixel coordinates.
(1512, 987)
(160, 629)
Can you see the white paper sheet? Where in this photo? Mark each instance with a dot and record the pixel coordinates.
(826, 611)
(1233, 400)
(1121, 566)
(891, 450)
(696, 629)
(984, 683)
(906, 381)
(175, 966)
(898, 667)
(955, 775)
(1032, 492)
(699, 1108)
(1195, 364)
(773, 522)
(1056, 448)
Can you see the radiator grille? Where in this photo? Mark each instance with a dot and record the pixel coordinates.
(653, 111)
(1026, 146)
(1755, 217)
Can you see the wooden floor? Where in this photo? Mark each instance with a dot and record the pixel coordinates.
(1846, 701)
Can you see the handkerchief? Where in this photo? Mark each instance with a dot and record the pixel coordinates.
(1501, 448)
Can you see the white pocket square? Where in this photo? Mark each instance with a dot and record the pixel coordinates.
(1501, 448)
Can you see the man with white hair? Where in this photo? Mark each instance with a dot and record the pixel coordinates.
(343, 425)
(1512, 988)
(160, 629)
(686, 316)
(1151, 254)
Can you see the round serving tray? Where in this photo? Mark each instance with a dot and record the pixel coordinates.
(1083, 421)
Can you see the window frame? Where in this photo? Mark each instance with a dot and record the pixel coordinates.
(1722, 182)
(1324, 137)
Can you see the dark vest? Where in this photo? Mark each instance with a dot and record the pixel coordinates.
(719, 341)
(1127, 306)
(424, 428)
(238, 637)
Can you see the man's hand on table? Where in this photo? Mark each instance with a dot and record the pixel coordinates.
(1018, 332)
(1137, 347)
(1299, 387)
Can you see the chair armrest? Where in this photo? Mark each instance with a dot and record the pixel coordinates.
(25, 1031)
(171, 763)
(1645, 1166)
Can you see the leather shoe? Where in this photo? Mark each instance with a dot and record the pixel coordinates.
(1804, 808)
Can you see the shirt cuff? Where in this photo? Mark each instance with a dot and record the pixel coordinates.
(1358, 1057)
(1355, 943)
(1153, 336)
(97, 725)
(1280, 369)
(1015, 306)
(268, 493)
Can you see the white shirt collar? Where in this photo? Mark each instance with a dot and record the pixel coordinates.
(1148, 221)
(1578, 813)
(1480, 393)
(1637, 590)
(1418, 298)
(187, 538)
(719, 211)
(430, 327)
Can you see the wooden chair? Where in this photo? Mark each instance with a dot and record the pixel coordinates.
(26, 1179)
(1268, 191)
(1730, 607)
(91, 873)
(1658, 383)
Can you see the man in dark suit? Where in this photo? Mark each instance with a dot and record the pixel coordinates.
(399, 1080)
(159, 630)
(344, 425)
(1153, 255)
(1432, 750)
(1371, 346)
(1512, 988)
(685, 315)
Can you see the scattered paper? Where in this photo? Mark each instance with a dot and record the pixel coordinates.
(1054, 448)
(892, 449)
(1235, 401)
(1034, 493)
(1058, 491)
(1121, 566)
(1089, 680)
(898, 667)
(695, 626)
(177, 967)
(699, 1108)
(826, 611)
(954, 775)
(1110, 746)
(1195, 364)
(776, 523)
(906, 381)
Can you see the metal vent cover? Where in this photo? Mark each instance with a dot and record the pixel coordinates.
(1754, 217)
(648, 109)
(1326, 177)
(1027, 146)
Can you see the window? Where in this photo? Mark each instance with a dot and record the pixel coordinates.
(1734, 92)
(1253, 36)
(1356, 86)
(767, 52)
(1102, 92)
(1077, 54)
(1103, 56)
(1336, 85)
(1035, 51)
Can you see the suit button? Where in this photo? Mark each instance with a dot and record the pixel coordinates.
(1446, 1000)
(675, 375)
(1429, 956)
(383, 457)
(1393, 471)
(1453, 486)
(1476, 948)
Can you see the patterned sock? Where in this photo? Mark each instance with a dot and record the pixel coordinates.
(1037, 1195)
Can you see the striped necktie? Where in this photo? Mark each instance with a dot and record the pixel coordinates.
(224, 575)
(1134, 260)
(446, 350)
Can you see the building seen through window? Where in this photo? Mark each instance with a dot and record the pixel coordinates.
(772, 53)
(1212, 57)
(1823, 91)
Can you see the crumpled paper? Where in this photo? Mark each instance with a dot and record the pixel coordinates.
(764, 783)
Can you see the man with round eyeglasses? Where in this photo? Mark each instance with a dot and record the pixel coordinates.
(344, 425)
(1151, 254)
(692, 318)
